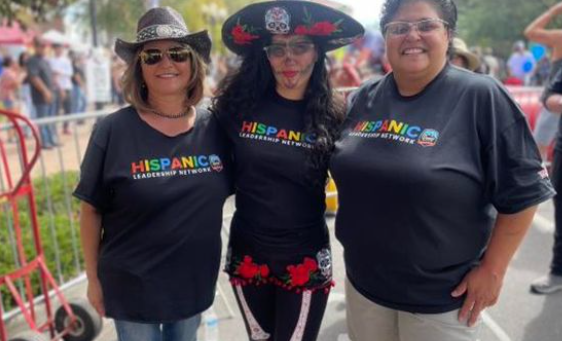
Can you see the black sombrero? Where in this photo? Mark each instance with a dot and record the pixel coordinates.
(256, 23)
(164, 23)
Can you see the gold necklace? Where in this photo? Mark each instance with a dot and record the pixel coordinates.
(172, 117)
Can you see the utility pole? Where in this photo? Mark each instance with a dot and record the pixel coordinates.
(152, 4)
(94, 22)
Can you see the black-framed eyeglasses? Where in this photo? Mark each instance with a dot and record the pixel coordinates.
(423, 27)
(178, 54)
(298, 48)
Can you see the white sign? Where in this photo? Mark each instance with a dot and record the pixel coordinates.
(98, 79)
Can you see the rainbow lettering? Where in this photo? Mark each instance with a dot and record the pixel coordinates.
(261, 131)
(182, 165)
(388, 126)
(397, 131)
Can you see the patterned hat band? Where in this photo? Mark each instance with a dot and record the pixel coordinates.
(158, 32)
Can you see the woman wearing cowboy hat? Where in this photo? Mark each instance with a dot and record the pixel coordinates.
(281, 118)
(153, 183)
(462, 57)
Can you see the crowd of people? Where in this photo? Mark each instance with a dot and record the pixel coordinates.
(438, 173)
(64, 75)
(41, 83)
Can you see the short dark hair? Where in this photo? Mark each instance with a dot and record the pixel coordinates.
(7, 62)
(446, 8)
(39, 42)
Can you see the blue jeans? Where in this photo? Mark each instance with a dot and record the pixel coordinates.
(183, 330)
(78, 100)
(47, 131)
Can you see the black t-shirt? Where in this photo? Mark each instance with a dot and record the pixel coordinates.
(38, 66)
(420, 179)
(273, 191)
(161, 202)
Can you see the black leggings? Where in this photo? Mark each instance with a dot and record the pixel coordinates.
(275, 314)
(556, 172)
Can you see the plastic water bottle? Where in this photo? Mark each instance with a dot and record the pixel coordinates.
(211, 325)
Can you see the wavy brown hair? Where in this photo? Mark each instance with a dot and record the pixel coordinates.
(136, 92)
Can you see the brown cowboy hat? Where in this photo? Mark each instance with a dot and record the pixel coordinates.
(254, 24)
(164, 23)
(460, 48)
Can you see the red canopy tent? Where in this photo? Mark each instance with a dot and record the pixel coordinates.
(13, 34)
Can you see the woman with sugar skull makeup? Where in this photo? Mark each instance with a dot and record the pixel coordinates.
(281, 118)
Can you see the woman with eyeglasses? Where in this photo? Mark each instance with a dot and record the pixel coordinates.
(438, 179)
(153, 183)
(281, 117)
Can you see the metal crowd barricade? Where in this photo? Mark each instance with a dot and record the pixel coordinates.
(30, 276)
(54, 165)
(529, 99)
(63, 162)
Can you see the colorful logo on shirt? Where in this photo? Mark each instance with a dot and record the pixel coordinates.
(216, 163)
(428, 138)
(396, 131)
(264, 132)
(177, 166)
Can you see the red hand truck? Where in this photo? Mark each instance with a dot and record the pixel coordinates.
(72, 321)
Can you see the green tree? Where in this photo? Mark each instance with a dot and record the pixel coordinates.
(34, 10)
(118, 18)
(497, 23)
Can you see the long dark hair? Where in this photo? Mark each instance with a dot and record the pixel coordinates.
(240, 92)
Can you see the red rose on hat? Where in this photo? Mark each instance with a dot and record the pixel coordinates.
(324, 28)
(301, 30)
(241, 37)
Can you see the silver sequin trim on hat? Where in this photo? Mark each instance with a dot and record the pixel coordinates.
(161, 32)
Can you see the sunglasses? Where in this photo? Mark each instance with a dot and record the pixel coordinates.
(298, 48)
(178, 54)
(423, 27)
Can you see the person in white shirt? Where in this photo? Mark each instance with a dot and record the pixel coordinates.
(521, 63)
(62, 71)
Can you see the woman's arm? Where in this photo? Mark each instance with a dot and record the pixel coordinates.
(90, 228)
(482, 285)
(536, 31)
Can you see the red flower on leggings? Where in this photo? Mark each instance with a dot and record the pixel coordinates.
(300, 275)
(247, 269)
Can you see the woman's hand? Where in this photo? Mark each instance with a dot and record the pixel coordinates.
(554, 103)
(482, 288)
(95, 296)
